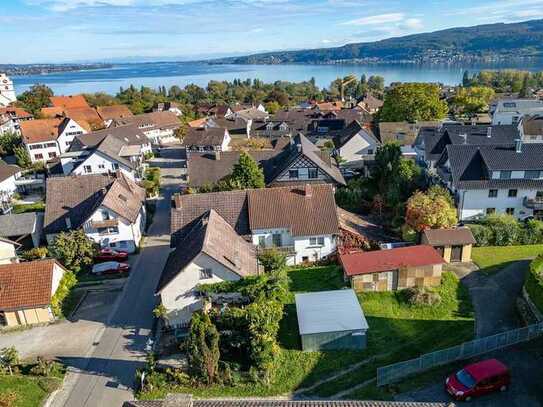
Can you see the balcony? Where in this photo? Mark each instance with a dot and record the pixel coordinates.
(101, 224)
(533, 203)
(287, 250)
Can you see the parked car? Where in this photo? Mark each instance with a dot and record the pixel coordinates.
(107, 254)
(110, 267)
(477, 379)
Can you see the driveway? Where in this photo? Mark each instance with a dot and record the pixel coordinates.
(105, 377)
(50, 341)
(494, 298)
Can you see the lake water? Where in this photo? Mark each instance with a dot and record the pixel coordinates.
(171, 73)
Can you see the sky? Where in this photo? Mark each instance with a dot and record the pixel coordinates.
(52, 31)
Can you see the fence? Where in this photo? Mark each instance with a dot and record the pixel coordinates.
(391, 373)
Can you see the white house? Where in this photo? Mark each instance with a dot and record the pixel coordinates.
(301, 221)
(211, 252)
(530, 128)
(510, 111)
(7, 185)
(159, 127)
(47, 139)
(205, 139)
(109, 209)
(494, 179)
(356, 145)
(7, 90)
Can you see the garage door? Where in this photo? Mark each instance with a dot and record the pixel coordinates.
(456, 253)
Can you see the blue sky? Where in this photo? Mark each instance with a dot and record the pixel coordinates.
(75, 30)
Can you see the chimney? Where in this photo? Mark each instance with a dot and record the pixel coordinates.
(464, 138)
(299, 147)
(68, 223)
(518, 145)
(308, 191)
(217, 155)
(489, 131)
(178, 400)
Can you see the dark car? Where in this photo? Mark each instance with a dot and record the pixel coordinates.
(111, 255)
(478, 379)
(110, 267)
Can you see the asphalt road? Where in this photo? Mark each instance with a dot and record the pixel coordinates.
(106, 376)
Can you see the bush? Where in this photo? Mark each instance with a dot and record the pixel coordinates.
(483, 234)
(8, 399)
(533, 232)
(63, 290)
(272, 259)
(534, 282)
(420, 296)
(35, 254)
(506, 229)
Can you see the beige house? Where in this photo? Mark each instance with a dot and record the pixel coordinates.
(394, 269)
(26, 291)
(8, 252)
(454, 245)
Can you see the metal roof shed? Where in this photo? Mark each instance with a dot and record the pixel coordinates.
(330, 320)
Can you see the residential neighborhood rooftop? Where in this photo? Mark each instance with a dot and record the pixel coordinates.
(454, 236)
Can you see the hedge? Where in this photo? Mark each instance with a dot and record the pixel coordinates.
(66, 284)
(534, 282)
(505, 230)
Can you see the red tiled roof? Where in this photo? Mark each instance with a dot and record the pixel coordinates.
(69, 102)
(113, 112)
(387, 260)
(27, 284)
(15, 111)
(37, 131)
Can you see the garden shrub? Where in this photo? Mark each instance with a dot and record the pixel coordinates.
(420, 296)
(483, 234)
(203, 348)
(35, 253)
(506, 229)
(272, 259)
(534, 282)
(533, 232)
(66, 284)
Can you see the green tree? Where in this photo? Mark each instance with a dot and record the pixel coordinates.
(9, 358)
(525, 90)
(8, 142)
(160, 311)
(246, 173)
(73, 249)
(474, 99)
(376, 83)
(272, 260)
(203, 348)
(465, 79)
(273, 107)
(23, 159)
(412, 102)
(35, 98)
(426, 211)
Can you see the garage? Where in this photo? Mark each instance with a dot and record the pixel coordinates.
(331, 320)
(454, 245)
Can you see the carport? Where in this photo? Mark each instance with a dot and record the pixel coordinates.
(331, 320)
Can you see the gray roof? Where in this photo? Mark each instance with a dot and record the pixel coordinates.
(18, 224)
(7, 170)
(329, 311)
(350, 131)
(204, 136)
(130, 135)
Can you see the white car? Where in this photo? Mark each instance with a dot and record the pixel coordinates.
(110, 267)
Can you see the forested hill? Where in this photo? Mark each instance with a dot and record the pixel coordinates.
(483, 42)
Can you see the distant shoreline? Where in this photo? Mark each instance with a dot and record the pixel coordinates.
(44, 69)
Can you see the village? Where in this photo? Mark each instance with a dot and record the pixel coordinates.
(302, 247)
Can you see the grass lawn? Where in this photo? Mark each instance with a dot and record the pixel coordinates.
(493, 258)
(397, 332)
(34, 207)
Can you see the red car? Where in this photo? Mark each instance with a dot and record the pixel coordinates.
(111, 255)
(477, 379)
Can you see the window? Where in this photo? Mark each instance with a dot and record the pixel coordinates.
(115, 166)
(400, 136)
(293, 173)
(101, 166)
(539, 195)
(206, 274)
(512, 193)
(277, 240)
(87, 169)
(262, 241)
(52, 155)
(38, 156)
(510, 211)
(35, 146)
(492, 193)
(490, 211)
(105, 215)
(313, 172)
(532, 174)
(505, 174)
(316, 241)
(50, 145)
(370, 151)
(109, 230)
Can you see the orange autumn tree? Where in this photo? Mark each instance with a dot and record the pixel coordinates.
(431, 210)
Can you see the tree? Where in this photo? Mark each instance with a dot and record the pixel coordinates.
(8, 142)
(525, 90)
(430, 211)
(273, 107)
(203, 348)
(376, 83)
(160, 311)
(412, 102)
(246, 173)
(465, 79)
(474, 99)
(73, 249)
(272, 260)
(35, 98)
(9, 358)
(23, 159)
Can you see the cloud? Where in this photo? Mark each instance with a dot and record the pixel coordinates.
(377, 19)
(412, 24)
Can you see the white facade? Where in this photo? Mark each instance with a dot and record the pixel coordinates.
(510, 111)
(179, 295)
(7, 91)
(95, 163)
(51, 149)
(7, 125)
(124, 236)
(300, 248)
(7, 189)
(354, 151)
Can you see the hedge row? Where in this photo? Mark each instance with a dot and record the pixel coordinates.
(534, 282)
(505, 230)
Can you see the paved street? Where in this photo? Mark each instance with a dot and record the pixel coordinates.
(106, 376)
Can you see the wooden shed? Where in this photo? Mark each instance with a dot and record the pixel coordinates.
(454, 245)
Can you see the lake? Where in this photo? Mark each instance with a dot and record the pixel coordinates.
(171, 73)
